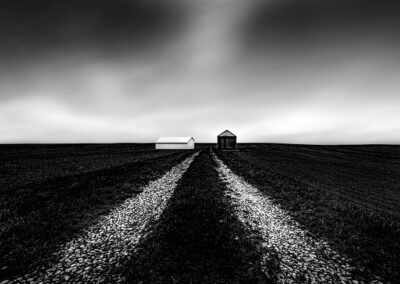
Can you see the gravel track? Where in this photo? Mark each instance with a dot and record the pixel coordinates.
(92, 256)
(303, 259)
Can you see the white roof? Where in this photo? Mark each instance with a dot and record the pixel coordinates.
(174, 140)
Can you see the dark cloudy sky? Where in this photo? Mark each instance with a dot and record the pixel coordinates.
(294, 71)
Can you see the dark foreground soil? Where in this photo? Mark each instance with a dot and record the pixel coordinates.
(37, 217)
(348, 195)
(198, 239)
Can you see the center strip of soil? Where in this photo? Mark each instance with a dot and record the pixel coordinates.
(198, 239)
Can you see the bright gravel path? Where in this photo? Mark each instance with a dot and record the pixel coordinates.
(303, 259)
(92, 256)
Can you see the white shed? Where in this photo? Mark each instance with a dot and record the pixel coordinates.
(186, 143)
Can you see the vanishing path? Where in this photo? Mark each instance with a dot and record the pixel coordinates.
(198, 239)
(302, 258)
(216, 227)
(90, 257)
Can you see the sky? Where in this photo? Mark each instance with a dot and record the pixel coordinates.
(279, 71)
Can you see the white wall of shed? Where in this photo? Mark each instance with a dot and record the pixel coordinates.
(185, 146)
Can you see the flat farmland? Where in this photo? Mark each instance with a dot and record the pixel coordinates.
(22, 164)
(49, 193)
(363, 175)
(347, 195)
(267, 213)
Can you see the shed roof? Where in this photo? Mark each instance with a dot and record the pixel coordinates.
(174, 140)
(227, 133)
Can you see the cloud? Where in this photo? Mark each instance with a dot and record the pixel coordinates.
(109, 28)
(304, 20)
(285, 71)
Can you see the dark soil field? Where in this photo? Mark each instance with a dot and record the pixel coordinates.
(348, 195)
(22, 164)
(212, 226)
(49, 193)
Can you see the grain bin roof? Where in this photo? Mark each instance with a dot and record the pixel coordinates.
(227, 133)
(174, 140)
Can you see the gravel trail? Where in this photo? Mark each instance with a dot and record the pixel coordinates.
(303, 259)
(92, 256)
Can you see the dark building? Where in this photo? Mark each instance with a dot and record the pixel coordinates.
(227, 141)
